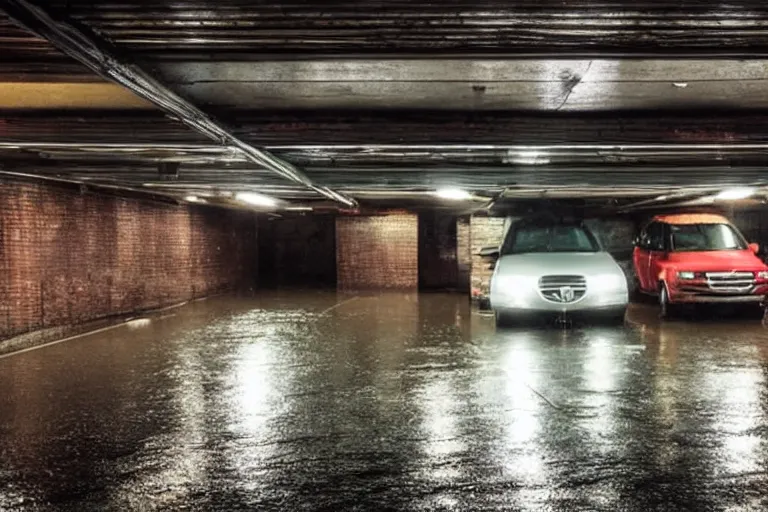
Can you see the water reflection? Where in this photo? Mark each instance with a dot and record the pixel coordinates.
(738, 417)
(253, 388)
(392, 402)
(443, 439)
(522, 456)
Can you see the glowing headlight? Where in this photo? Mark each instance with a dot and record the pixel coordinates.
(607, 281)
(686, 275)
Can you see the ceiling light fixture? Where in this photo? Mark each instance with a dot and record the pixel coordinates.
(733, 194)
(453, 194)
(256, 199)
(527, 157)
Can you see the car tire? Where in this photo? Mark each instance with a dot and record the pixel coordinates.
(636, 293)
(759, 311)
(666, 310)
(502, 319)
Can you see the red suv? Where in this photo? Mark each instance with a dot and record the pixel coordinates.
(698, 258)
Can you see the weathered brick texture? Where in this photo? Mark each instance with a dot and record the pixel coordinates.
(464, 253)
(67, 257)
(374, 253)
(484, 231)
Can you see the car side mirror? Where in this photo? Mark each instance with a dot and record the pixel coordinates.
(755, 248)
(490, 251)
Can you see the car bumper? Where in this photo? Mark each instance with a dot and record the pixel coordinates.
(611, 313)
(532, 301)
(691, 298)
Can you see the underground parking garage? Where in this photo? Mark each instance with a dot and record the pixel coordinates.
(253, 256)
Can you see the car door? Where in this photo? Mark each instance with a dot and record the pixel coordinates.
(657, 253)
(641, 258)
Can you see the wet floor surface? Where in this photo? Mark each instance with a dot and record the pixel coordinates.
(313, 401)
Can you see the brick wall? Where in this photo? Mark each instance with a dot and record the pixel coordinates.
(377, 252)
(67, 257)
(464, 253)
(484, 231)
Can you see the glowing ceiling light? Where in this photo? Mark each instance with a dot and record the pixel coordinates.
(527, 157)
(453, 194)
(732, 194)
(256, 199)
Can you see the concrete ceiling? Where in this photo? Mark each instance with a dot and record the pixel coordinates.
(609, 100)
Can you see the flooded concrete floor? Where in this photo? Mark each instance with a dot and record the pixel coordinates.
(313, 401)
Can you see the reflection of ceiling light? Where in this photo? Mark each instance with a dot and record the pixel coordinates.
(298, 208)
(528, 156)
(453, 194)
(192, 199)
(732, 194)
(138, 322)
(256, 199)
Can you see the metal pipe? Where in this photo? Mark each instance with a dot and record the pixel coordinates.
(127, 146)
(99, 56)
(524, 147)
(94, 186)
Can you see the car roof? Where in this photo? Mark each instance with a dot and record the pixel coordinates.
(692, 218)
(549, 221)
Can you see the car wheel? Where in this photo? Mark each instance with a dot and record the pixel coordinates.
(502, 320)
(666, 309)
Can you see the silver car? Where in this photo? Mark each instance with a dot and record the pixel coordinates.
(556, 268)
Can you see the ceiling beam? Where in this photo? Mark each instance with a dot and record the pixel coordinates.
(102, 58)
(428, 156)
(425, 27)
(523, 84)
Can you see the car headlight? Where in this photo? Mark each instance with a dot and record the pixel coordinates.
(686, 275)
(608, 281)
(762, 274)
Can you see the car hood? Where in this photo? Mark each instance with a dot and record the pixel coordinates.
(558, 263)
(724, 261)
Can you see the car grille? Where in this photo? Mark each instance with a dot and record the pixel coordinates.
(730, 281)
(563, 289)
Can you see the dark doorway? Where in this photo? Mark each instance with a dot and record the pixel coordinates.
(297, 252)
(438, 261)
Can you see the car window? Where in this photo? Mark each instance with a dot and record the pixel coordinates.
(706, 237)
(655, 240)
(529, 239)
(642, 240)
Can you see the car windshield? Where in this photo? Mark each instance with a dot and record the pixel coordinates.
(706, 237)
(552, 239)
